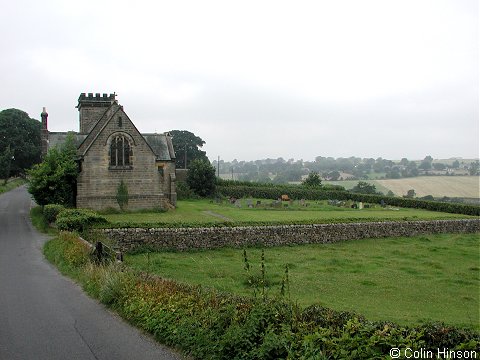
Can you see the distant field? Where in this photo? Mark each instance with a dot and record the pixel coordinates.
(438, 186)
(405, 280)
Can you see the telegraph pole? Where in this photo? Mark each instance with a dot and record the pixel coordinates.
(218, 167)
(185, 155)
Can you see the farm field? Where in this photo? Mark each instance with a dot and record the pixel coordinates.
(208, 212)
(404, 280)
(437, 186)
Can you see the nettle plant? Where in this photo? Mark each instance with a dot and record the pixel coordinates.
(259, 282)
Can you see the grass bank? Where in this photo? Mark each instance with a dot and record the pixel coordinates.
(404, 280)
(11, 184)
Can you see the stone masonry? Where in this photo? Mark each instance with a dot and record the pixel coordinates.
(181, 239)
(144, 162)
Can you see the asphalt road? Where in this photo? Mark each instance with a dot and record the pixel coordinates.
(44, 315)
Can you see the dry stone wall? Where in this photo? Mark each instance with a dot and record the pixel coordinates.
(182, 239)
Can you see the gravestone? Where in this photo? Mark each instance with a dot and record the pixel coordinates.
(249, 203)
(238, 203)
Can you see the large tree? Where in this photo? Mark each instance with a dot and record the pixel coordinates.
(54, 181)
(187, 146)
(21, 134)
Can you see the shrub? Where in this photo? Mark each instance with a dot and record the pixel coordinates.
(78, 219)
(51, 211)
(201, 177)
(122, 195)
(184, 192)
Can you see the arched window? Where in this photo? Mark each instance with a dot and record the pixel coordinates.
(120, 151)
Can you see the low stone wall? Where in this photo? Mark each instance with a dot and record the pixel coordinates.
(209, 238)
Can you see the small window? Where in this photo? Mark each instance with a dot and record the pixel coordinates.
(120, 122)
(120, 152)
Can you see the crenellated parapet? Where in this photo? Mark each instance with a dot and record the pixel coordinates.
(91, 107)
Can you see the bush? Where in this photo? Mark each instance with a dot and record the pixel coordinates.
(201, 177)
(184, 192)
(51, 211)
(78, 219)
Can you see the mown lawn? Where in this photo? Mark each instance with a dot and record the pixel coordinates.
(205, 211)
(405, 280)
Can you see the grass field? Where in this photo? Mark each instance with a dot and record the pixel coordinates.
(205, 211)
(405, 280)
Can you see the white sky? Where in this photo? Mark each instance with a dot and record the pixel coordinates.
(257, 79)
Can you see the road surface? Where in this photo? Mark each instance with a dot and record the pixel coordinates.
(44, 315)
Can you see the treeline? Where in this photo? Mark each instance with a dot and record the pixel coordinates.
(19, 143)
(353, 168)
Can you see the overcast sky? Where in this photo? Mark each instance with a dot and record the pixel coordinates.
(257, 79)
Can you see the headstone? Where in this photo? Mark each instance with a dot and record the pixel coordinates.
(237, 203)
(250, 203)
(360, 205)
(302, 202)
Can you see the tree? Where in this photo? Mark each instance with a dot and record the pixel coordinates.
(364, 188)
(5, 164)
(312, 180)
(426, 163)
(187, 143)
(22, 134)
(474, 167)
(332, 175)
(54, 181)
(439, 166)
(410, 194)
(201, 177)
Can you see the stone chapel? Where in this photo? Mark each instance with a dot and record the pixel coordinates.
(111, 149)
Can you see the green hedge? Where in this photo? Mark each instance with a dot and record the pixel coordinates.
(300, 192)
(206, 324)
(51, 212)
(78, 219)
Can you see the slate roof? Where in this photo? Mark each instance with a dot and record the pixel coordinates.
(58, 138)
(161, 145)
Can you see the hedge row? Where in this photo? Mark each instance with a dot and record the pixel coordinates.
(78, 219)
(205, 324)
(285, 187)
(300, 192)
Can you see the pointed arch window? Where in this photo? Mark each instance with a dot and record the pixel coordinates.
(120, 152)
